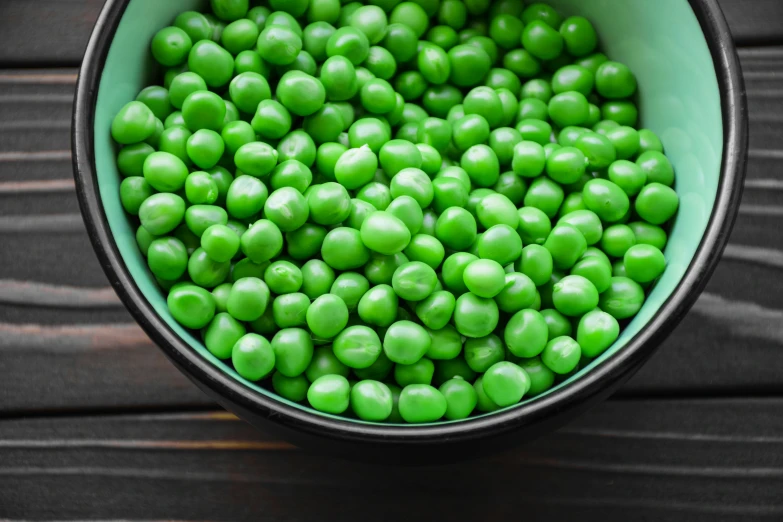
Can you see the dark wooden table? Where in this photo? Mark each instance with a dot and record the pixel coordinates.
(96, 424)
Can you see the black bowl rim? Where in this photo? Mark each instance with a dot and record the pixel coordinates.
(536, 414)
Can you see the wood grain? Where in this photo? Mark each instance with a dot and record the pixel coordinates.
(624, 460)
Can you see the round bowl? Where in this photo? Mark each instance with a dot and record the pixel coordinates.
(691, 94)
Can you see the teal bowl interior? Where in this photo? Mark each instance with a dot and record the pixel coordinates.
(678, 99)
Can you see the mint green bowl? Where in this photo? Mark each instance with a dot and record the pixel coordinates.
(690, 93)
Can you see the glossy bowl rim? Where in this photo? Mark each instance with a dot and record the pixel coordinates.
(558, 404)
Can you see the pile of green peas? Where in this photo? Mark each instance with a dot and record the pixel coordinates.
(400, 211)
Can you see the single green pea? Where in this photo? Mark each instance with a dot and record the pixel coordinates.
(329, 203)
(511, 186)
(143, 240)
(623, 299)
(247, 268)
(431, 160)
(170, 46)
(500, 243)
(518, 293)
(598, 150)
(541, 40)
(378, 306)
(343, 249)
(443, 36)
(134, 123)
(200, 217)
(439, 99)
(220, 294)
(405, 342)
(384, 233)
(397, 155)
(248, 299)
(574, 295)
(469, 65)
(434, 64)
(656, 167)
(469, 131)
(453, 13)
(412, 15)
(648, 140)
(220, 243)
(484, 352)
(293, 174)
(191, 306)
(526, 333)
(235, 134)
(401, 41)
(536, 263)
(174, 141)
(625, 141)
(622, 112)
(213, 63)
(283, 277)
(279, 45)
(130, 160)
(561, 355)
(644, 263)
(594, 269)
(205, 148)
(350, 287)
(596, 332)
(359, 212)
(290, 310)
(415, 183)
(246, 197)
(301, 93)
(286, 207)
(617, 239)
(204, 110)
(647, 234)
(357, 347)
(656, 203)
(291, 388)
(485, 102)
(485, 43)
(566, 244)
(356, 167)
(194, 24)
(327, 316)
(161, 213)
(420, 372)
(588, 223)
(314, 38)
(456, 113)
(605, 126)
(414, 281)
(371, 400)
(475, 316)
(377, 194)
(249, 89)
(614, 80)
(250, 61)
(557, 324)
(545, 195)
(461, 398)
(368, 131)
(329, 394)
(229, 10)
(504, 79)
(569, 108)
(456, 228)
(427, 249)
(299, 146)
(253, 357)
(579, 35)
(535, 130)
(628, 176)
(305, 242)
(436, 310)
(324, 363)
(381, 63)
(505, 383)
(240, 35)
(566, 165)
(482, 165)
(421, 402)
(317, 278)
(349, 42)
(157, 99)
(262, 241)
(134, 191)
(206, 272)
(167, 258)
(606, 199)
(222, 335)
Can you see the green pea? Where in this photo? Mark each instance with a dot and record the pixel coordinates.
(371, 400)
(194, 24)
(625, 141)
(427, 249)
(377, 194)
(170, 46)
(470, 130)
(574, 295)
(518, 293)
(279, 45)
(594, 269)
(368, 131)
(349, 42)
(133, 192)
(200, 217)
(606, 199)
(415, 183)
(130, 160)
(134, 123)
(246, 197)
(300, 93)
(623, 299)
(271, 120)
(378, 306)
(579, 35)
(213, 63)
(453, 271)
(317, 278)
(250, 61)
(222, 335)
(644, 263)
(536, 263)
(484, 403)
(436, 310)
(456, 228)
(236, 134)
(648, 140)
(290, 310)
(256, 159)
(191, 306)
(544, 195)
(605, 126)
(469, 65)
(220, 243)
(329, 203)
(482, 165)
(283, 277)
(656, 167)
(412, 15)
(343, 249)
(475, 316)
(535, 130)
(205, 271)
(157, 99)
(262, 241)
(405, 342)
(561, 355)
(460, 398)
(247, 268)
(541, 40)
(398, 155)
(569, 108)
(286, 207)
(143, 239)
(439, 99)
(647, 234)
(161, 213)
(401, 41)
(566, 244)
(253, 357)
(305, 242)
(167, 258)
(220, 294)
(329, 394)
(500, 243)
(656, 203)
(420, 372)
(443, 36)
(596, 332)
(325, 363)
(526, 333)
(357, 347)
(291, 388)
(617, 239)
(483, 353)
(614, 80)
(327, 316)
(622, 112)
(628, 176)
(557, 324)
(505, 383)
(587, 222)
(414, 281)
(421, 402)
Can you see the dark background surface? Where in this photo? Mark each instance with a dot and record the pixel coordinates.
(96, 424)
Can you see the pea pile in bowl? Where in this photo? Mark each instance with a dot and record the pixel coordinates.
(398, 211)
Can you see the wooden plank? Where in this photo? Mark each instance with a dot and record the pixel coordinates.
(624, 460)
(754, 22)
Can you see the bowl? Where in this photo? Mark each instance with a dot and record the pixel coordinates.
(691, 94)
